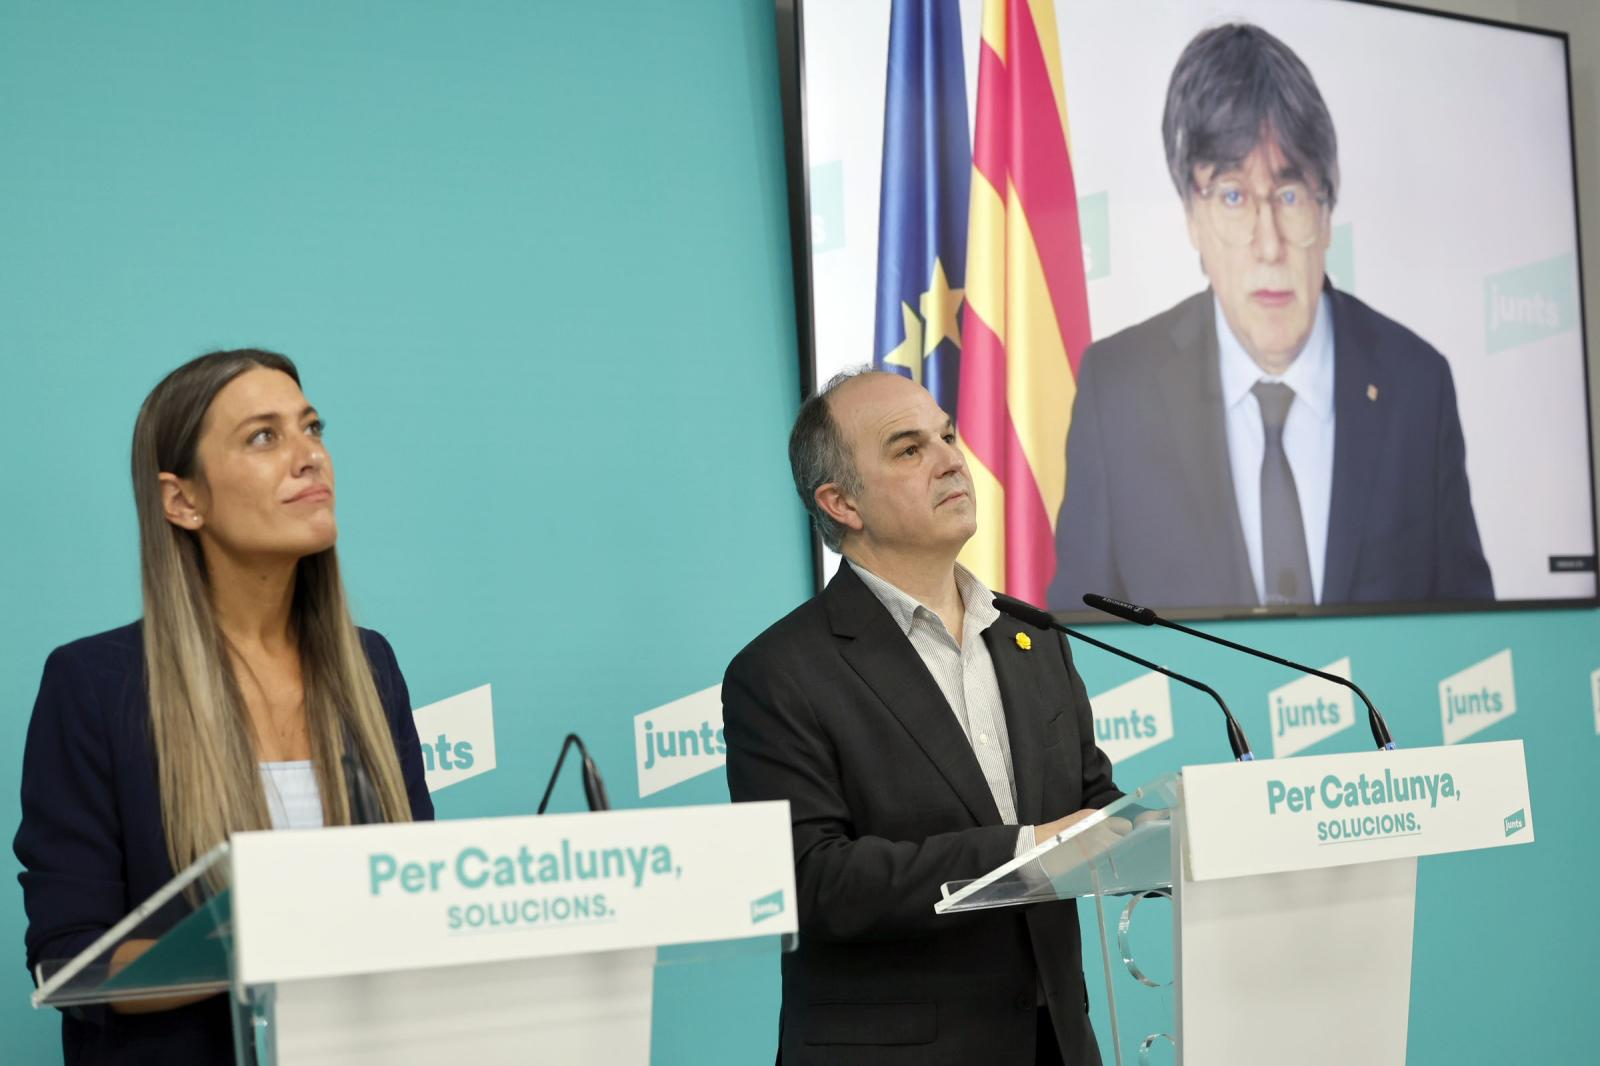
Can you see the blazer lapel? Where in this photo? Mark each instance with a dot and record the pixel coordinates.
(1358, 419)
(1191, 396)
(1022, 695)
(881, 655)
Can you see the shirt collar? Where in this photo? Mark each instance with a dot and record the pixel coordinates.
(1310, 375)
(976, 599)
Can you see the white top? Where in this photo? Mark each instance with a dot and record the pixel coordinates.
(1307, 437)
(292, 794)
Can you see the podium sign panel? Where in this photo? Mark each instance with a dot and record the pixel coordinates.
(483, 890)
(494, 941)
(1280, 815)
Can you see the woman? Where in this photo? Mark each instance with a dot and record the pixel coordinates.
(238, 702)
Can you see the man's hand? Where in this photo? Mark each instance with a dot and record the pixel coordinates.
(1041, 833)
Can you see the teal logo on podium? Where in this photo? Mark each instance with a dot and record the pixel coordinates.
(769, 906)
(1517, 822)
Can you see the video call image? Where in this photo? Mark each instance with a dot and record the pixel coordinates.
(1266, 307)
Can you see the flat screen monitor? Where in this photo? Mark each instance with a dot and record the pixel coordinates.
(1265, 307)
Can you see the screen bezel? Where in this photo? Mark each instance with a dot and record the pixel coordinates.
(791, 73)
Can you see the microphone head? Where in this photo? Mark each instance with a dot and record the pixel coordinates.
(594, 790)
(1130, 612)
(1023, 611)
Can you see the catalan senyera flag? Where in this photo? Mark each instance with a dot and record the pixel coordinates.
(1026, 321)
(922, 223)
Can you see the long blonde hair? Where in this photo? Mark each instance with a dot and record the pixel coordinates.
(205, 755)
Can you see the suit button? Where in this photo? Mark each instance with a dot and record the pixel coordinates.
(1026, 1001)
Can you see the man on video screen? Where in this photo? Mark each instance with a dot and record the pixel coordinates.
(1271, 440)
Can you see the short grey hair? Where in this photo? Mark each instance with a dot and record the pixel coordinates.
(1232, 85)
(819, 454)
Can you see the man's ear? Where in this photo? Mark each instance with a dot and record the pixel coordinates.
(180, 502)
(839, 507)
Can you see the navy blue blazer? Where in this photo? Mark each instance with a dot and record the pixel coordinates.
(91, 841)
(1150, 513)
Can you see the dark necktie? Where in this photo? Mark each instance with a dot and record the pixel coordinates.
(1285, 563)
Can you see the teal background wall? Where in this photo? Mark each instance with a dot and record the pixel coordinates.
(533, 260)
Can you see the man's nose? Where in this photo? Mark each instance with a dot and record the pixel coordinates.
(951, 461)
(1267, 241)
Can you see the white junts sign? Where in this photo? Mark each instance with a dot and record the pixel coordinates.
(1478, 697)
(457, 737)
(1133, 717)
(679, 740)
(1309, 710)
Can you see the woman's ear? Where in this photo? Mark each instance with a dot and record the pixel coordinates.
(180, 502)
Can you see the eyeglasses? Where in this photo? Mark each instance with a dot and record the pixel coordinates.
(1234, 210)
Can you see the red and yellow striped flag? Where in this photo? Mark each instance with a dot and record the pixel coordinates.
(1027, 315)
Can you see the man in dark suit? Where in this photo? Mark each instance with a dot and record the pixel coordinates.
(1271, 441)
(920, 737)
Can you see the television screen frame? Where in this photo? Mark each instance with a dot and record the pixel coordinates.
(792, 68)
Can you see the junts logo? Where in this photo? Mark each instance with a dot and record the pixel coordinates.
(457, 737)
(1133, 717)
(768, 906)
(1478, 697)
(1530, 303)
(679, 740)
(1310, 710)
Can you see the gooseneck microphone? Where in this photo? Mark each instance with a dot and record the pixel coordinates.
(1132, 612)
(1027, 612)
(594, 790)
(364, 806)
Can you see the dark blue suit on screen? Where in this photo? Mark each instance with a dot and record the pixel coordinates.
(1150, 513)
(91, 841)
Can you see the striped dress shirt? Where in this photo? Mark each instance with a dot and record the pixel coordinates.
(965, 675)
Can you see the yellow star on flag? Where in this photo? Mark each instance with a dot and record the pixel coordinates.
(909, 352)
(939, 306)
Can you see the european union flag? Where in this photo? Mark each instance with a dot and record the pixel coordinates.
(927, 171)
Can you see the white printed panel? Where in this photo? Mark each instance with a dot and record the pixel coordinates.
(457, 737)
(1309, 710)
(1275, 815)
(380, 898)
(679, 740)
(1133, 717)
(1478, 697)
